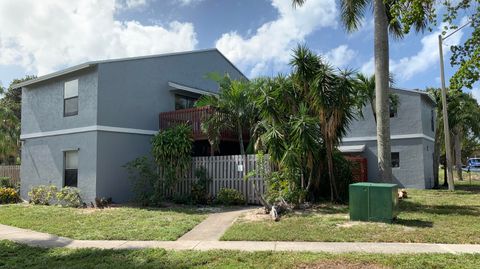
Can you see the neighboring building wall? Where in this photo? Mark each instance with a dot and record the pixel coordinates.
(43, 162)
(411, 133)
(42, 113)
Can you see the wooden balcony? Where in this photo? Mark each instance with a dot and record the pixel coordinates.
(193, 117)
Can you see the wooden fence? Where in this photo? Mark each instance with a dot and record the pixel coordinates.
(11, 171)
(225, 172)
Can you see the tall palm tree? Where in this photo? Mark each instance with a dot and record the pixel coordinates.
(332, 98)
(352, 13)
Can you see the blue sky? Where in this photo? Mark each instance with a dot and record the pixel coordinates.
(256, 35)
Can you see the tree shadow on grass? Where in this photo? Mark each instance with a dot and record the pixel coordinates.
(414, 223)
(409, 206)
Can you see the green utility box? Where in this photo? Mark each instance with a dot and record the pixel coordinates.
(373, 201)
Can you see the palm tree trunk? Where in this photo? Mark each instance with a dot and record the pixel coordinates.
(458, 154)
(381, 91)
(331, 172)
(436, 157)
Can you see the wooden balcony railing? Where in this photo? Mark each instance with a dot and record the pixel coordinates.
(193, 117)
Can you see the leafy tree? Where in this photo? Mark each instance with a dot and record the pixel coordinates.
(171, 151)
(10, 117)
(386, 20)
(465, 56)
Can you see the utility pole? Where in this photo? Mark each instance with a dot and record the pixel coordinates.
(446, 128)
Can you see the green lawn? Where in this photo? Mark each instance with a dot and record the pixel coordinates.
(119, 223)
(435, 216)
(14, 255)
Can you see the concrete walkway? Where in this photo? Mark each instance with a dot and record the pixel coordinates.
(212, 228)
(46, 240)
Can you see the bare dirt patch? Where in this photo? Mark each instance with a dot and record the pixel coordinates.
(339, 264)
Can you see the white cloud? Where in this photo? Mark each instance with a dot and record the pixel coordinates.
(269, 48)
(428, 56)
(407, 67)
(43, 36)
(340, 56)
(188, 2)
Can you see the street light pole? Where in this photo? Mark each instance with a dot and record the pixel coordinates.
(446, 128)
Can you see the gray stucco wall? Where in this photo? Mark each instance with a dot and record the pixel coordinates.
(132, 93)
(125, 94)
(409, 108)
(42, 104)
(43, 162)
(411, 173)
(114, 151)
(413, 119)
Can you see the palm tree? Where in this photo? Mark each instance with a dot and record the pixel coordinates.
(332, 98)
(232, 110)
(288, 130)
(464, 113)
(365, 89)
(352, 13)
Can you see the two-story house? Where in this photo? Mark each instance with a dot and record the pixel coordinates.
(412, 129)
(82, 124)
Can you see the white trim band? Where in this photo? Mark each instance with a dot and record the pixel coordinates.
(393, 137)
(93, 128)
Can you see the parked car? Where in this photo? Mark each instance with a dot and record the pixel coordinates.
(473, 165)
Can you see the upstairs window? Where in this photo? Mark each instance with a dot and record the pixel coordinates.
(183, 102)
(70, 98)
(395, 159)
(71, 168)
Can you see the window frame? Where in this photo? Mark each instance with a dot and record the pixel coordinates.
(65, 152)
(65, 99)
(188, 99)
(432, 120)
(391, 159)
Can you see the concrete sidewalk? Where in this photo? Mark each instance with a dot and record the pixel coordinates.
(212, 228)
(46, 240)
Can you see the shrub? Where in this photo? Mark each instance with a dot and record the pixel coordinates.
(230, 197)
(171, 151)
(279, 186)
(145, 180)
(6, 182)
(9, 195)
(69, 197)
(200, 193)
(343, 178)
(42, 195)
(184, 199)
(103, 202)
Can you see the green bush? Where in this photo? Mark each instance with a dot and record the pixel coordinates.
(69, 197)
(144, 177)
(343, 178)
(183, 199)
(280, 186)
(199, 192)
(42, 195)
(230, 197)
(9, 195)
(6, 182)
